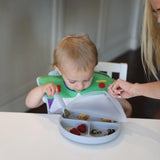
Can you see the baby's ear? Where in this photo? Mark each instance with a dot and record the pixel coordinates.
(57, 70)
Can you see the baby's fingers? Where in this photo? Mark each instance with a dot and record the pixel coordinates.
(49, 91)
(56, 90)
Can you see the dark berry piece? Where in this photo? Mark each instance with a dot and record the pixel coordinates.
(82, 128)
(75, 131)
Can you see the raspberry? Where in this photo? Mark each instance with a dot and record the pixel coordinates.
(82, 128)
(75, 131)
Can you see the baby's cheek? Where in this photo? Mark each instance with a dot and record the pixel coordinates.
(71, 86)
(87, 85)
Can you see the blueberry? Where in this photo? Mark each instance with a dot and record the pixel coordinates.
(110, 131)
(94, 131)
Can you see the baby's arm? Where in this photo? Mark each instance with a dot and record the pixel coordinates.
(34, 97)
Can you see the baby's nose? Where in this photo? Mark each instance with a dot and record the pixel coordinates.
(80, 86)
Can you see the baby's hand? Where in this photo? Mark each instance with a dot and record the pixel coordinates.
(50, 89)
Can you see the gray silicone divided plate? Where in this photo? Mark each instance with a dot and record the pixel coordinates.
(96, 105)
(88, 138)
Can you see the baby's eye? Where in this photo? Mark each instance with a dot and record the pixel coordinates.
(86, 80)
(72, 82)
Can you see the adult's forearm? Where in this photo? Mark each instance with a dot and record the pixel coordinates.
(151, 89)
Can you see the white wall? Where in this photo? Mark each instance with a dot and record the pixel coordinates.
(25, 37)
(113, 25)
(30, 29)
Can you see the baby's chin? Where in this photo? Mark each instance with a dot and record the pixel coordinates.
(79, 90)
(76, 90)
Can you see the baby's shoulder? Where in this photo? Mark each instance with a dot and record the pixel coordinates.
(49, 79)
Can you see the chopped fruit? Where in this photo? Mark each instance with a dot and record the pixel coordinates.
(95, 131)
(82, 128)
(83, 116)
(75, 131)
(107, 120)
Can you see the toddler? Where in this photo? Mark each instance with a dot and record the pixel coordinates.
(75, 58)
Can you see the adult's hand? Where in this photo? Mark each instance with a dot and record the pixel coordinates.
(121, 89)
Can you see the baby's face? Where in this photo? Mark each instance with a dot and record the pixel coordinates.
(77, 80)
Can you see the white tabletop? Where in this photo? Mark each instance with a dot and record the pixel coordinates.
(25, 136)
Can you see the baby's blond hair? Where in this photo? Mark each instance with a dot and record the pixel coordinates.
(78, 49)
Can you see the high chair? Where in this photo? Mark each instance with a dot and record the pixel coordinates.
(113, 70)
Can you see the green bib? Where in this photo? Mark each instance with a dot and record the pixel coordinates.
(100, 82)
